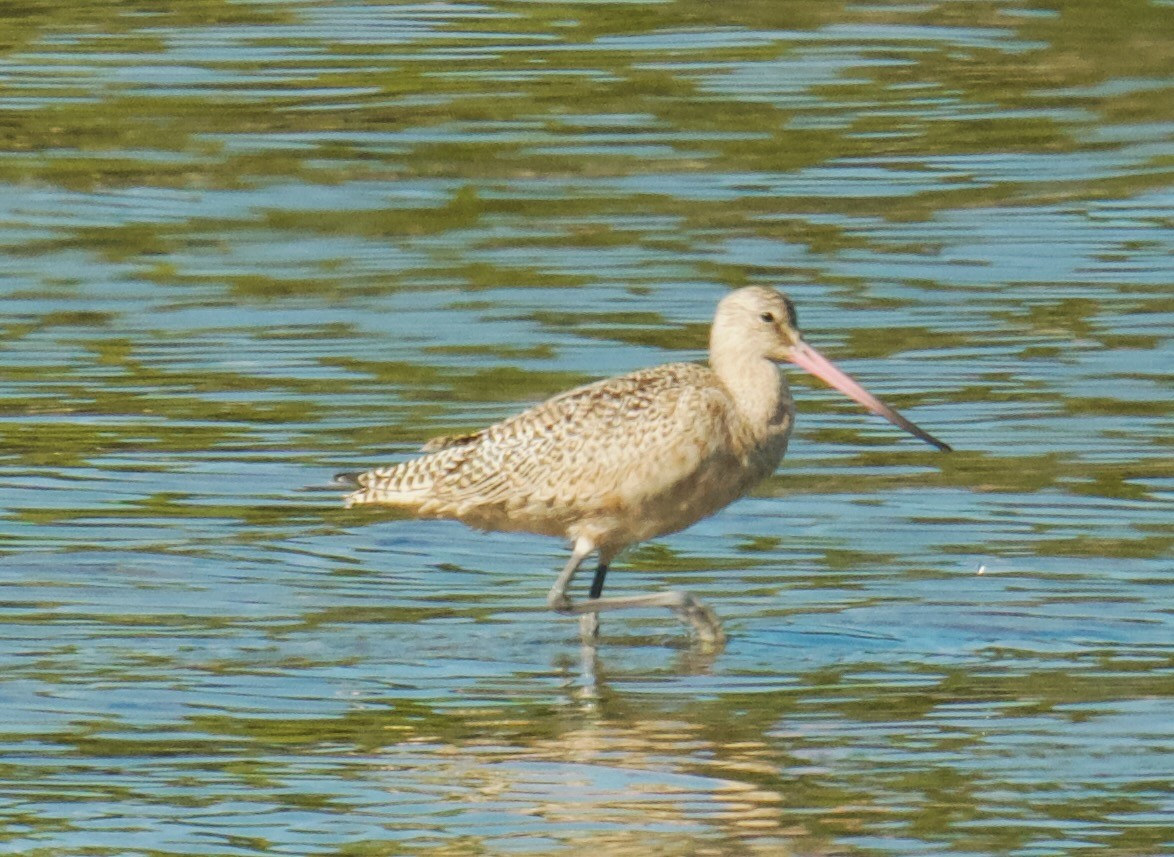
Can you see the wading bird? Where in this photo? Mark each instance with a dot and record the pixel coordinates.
(629, 458)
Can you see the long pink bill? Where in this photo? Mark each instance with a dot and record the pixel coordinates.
(806, 357)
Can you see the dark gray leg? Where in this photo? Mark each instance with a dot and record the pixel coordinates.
(589, 622)
(597, 583)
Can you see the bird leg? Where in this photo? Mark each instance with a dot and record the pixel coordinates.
(589, 622)
(560, 602)
(689, 609)
(557, 598)
(597, 581)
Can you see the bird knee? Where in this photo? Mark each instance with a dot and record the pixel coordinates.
(558, 602)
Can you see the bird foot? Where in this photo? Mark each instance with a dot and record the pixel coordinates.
(704, 622)
(589, 627)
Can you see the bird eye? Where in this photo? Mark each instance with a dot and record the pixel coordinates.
(768, 317)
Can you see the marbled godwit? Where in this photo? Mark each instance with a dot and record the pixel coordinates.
(629, 458)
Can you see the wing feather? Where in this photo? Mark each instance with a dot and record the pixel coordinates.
(646, 429)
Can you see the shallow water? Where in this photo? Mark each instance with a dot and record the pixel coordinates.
(248, 245)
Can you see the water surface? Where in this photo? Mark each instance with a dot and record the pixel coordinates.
(243, 246)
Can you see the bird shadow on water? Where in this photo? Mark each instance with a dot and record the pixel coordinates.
(590, 670)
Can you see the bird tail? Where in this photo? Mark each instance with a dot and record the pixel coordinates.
(405, 485)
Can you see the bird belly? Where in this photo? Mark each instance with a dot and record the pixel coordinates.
(543, 519)
(615, 517)
(651, 514)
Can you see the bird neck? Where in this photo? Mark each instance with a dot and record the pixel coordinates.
(758, 388)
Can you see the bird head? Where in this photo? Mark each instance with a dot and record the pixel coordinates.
(759, 321)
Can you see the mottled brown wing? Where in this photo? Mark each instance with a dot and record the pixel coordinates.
(634, 434)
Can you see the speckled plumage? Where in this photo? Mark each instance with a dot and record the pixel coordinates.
(618, 461)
